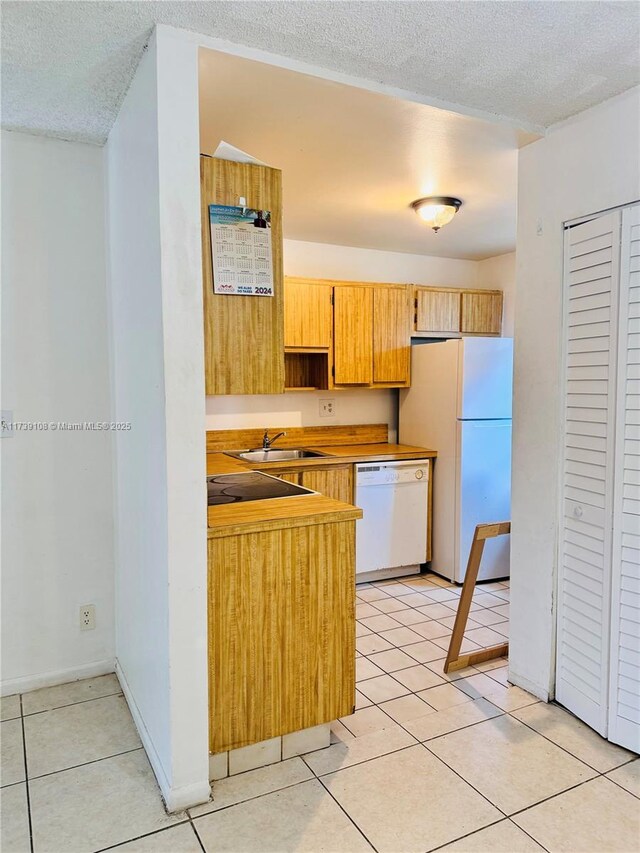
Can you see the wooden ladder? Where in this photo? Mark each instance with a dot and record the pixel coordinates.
(454, 659)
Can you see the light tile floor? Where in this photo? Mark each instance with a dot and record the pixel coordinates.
(460, 762)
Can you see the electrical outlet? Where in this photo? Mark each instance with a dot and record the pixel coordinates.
(87, 617)
(327, 408)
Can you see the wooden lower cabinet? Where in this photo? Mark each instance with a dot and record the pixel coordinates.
(281, 612)
(334, 483)
(289, 476)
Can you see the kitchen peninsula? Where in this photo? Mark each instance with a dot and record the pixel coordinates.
(281, 602)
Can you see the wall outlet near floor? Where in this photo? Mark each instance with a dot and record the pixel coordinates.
(87, 617)
(327, 408)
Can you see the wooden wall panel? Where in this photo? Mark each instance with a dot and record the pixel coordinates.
(309, 436)
(243, 335)
(481, 313)
(352, 335)
(391, 334)
(437, 311)
(281, 632)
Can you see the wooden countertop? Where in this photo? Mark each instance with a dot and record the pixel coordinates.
(376, 452)
(277, 513)
(232, 519)
(220, 463)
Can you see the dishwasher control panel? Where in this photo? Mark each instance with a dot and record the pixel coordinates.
(378, 475)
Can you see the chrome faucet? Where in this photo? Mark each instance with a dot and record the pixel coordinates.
(267, 442)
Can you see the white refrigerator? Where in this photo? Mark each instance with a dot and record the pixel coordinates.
(459, 404)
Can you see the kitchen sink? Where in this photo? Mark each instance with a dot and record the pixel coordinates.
(273, 455)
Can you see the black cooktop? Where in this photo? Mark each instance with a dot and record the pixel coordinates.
(249, 486)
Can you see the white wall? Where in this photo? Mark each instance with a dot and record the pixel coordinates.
(158, 382)
(499, 273)
(301, 408)
(584, 165)
(57, 519)
(321, 260)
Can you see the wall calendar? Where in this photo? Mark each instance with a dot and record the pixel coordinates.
(241, 250)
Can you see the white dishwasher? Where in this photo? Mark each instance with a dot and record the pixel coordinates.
(391, 537)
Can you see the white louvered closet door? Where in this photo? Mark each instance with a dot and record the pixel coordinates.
(624, 697)
(592, 253)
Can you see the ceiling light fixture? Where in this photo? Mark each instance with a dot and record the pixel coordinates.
(436, 210)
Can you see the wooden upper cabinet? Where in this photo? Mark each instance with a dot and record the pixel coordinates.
(437, 310)
(243, 335)
(481, 313)
(391, 335)
(307, 314)
(352, 335)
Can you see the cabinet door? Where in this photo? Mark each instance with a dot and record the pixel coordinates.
(353, 335)
(335, 483)
(437, 311)
(481, 313)
(391, 334)
(288, 475)
(307, 315)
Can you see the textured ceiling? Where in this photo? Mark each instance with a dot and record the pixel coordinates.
(66, 65)
(352, 161)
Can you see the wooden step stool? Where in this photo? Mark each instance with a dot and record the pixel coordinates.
(454, 659)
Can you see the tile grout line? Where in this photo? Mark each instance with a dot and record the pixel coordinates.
(437, 757)
(366, 760)
(144, 835)
(604, 775)
(466, 781)
(456, 597)
(553, 797)
(314, 778)
(255, 796)
(86, 763)
(416, 662)
(564, 748)
(71, 704)
(345, 812)
(535, 840)
(26, 777)
(468, 835)
(197, 834)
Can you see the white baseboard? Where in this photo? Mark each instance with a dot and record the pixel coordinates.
(528, 685)
(52, 678)
(175, 799)
(186, 797)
